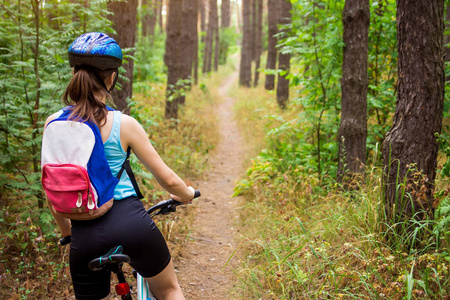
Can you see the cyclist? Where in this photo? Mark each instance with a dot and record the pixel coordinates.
(95, 58)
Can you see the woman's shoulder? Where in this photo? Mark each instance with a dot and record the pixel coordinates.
(129, 122)
(53, 116)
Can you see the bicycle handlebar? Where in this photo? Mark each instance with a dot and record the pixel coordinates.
(162, 208)
(167, 206)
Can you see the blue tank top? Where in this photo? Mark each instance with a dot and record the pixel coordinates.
(116, 156)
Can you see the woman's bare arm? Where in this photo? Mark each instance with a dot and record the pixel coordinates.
(132, 134)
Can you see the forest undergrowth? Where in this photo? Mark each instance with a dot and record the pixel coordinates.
(310, 238)
(32, 263)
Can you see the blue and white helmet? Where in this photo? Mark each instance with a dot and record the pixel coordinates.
(95, 49)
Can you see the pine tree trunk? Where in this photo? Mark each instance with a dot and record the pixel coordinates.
(411, 144)
(173, 56)
(447, 39)
(216, 34)
(124, 19)
(272, 18)
(159, 4)
(202, 12)
(193, 21)
(284, 59)
(225, 12)
(188, 40)
(258, 39)
(354, 84)
(245, 69)
(225, 23)
(239, 13)
(207, 56)
(253, 28)
(149, 17)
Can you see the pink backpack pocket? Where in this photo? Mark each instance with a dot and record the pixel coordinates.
(68, 188)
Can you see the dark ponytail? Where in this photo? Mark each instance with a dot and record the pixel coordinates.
(87, 93)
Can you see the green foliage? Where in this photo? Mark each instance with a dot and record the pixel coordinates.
(442, 227)
(444, 143)
(314, 40)
(149, 60)
(34, 38)
(228, 38)
(304, 236)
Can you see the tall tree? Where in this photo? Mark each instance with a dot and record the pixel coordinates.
(189, 40)
(124, 20)
(193, 25)
(245, 68)
(284, 59)
(258, 38)
(173, 57)
(202, 12)
(224, 24)
(272, 18)
(149, 8)
(354, 84)
(238, 16)
(253, 28)
(216, 34)
(410, 145)
(159, 5)
(225, 13)
(447, 38)
(207, 56)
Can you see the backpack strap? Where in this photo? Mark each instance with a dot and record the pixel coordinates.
(127, 167)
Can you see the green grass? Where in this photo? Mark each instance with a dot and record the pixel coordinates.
(302, 239)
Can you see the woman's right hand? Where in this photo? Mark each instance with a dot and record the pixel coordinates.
(184, 199)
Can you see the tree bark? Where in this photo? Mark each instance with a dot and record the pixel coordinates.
(149, 17)
(193, 21)
(253, 28)
(447, 38)
(354, 84)
(245, 69)
(272, 18)
(159, 4)
(225, 13)
(202, 12)
(284, 59)
(207, 57)
(188, 40)
(173, 57)
(124, 19)
(239, 17)
(410, 145)
(216, 34)
(258, 39)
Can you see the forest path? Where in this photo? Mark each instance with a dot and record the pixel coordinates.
(202, 269)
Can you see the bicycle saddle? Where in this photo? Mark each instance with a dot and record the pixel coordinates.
(113, 256)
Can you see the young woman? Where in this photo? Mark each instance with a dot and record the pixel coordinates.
(95, 58)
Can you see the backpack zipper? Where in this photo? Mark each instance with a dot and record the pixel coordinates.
(79, 201)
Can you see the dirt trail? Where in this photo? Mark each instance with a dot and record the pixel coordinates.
(201, 269)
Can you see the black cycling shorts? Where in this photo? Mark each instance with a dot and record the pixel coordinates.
(126, 223)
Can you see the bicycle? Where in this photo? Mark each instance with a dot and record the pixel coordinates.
(114, 259)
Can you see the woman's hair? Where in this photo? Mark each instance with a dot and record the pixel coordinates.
(88, 93)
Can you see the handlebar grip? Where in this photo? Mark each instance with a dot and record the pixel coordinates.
(197, 194)
(65, 240)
